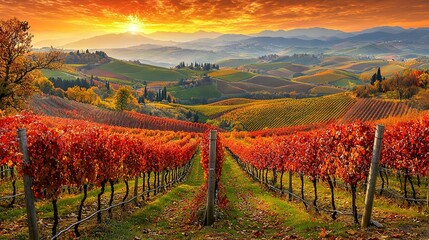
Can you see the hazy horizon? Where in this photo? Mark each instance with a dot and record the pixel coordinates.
(66, 19)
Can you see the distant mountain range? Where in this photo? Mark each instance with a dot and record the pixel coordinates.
(170, 48)
(121, 40)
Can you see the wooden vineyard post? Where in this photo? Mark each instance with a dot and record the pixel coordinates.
(290, 185)
(136, 186)
(427, 193)
(373, 172)
(209, 215)
(29, 198)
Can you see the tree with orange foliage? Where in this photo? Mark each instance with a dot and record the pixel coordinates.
(19, 65)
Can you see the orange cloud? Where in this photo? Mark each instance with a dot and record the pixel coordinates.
(69, 17)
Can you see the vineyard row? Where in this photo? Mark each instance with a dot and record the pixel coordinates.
(339, 152)
(82, 155)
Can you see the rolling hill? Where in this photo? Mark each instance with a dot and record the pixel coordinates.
(58, 107)
(369, 109)
(336, 78)
(290, 112)
(231, 75)
(261, 114)
(136, 72)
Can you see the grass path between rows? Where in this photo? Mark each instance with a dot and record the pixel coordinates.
(252, 213)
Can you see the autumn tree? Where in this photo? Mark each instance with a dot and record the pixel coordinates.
(19, 65)
(44, 84)
(124, 99)
(424, 80)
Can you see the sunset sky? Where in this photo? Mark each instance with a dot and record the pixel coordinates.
(68, 19)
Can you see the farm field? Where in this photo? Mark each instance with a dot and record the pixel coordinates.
(278, 113)
(220, 107)
(386, 70)
(55, 74)
(325, 90)
(290, 112)
(142, 72)
(364, 66)
(231, 75)
(268, 81)
(226, 88)
(208, 91)
(58, 107)
(327, 77)
(373, 109)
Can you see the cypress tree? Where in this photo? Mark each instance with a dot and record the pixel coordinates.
(379, 77)
(373, 78)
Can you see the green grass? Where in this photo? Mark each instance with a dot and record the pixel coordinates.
(142, 72)
(252, 209)
(55, 73)
(67, 204)
(241, 187)
(207, 91)
(116, 80)
(211, 111)
(149, 216)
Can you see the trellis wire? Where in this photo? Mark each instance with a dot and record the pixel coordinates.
(185, 173)
(11, 196)
(275, 189)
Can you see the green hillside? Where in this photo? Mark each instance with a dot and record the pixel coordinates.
(142, 72)
(56, 73)
(208, 91)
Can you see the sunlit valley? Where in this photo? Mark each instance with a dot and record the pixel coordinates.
(214, 120)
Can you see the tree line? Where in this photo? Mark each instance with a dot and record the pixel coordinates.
(86, 57)
(198, 66)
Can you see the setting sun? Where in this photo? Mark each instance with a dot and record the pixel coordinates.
(134, 25)
(133, 28)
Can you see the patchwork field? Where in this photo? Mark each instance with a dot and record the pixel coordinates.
(335, 61)
(326, 77)
(226, 88)
(386, 71)
(364, 66)
(269, 81)
(231, 75)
